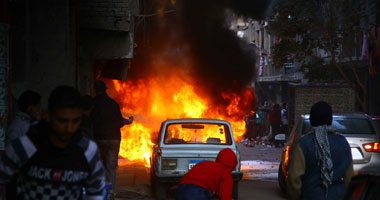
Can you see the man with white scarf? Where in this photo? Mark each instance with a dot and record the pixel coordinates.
(321, 163)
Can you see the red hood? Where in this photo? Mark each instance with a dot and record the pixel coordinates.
(228, 158)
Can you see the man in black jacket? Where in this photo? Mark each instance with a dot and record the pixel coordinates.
(107, 121)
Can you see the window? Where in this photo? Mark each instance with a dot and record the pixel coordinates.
(346, 126)
(353, 126)
(196, 133)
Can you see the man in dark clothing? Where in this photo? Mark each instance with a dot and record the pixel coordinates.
(209, 177)
(29, 105)
(250, 122)
(266, 122)
(275, 121)
(86, 124)
(320, 166)
(259, 123)
(107, 121)
(53, 160)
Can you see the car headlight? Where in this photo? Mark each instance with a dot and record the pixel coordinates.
(169, 164)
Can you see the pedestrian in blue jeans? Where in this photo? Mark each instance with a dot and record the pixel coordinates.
(190, 192)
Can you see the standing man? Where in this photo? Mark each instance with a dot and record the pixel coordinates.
(259, 123)
(284, 120)
(53, 160)
(266, 123)
(29, 105)
(275, 122)
(107, 121)
(320, 166)
(250, 128)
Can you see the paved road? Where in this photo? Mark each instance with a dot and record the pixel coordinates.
(259, 167)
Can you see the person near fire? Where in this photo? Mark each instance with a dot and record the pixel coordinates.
(209, 177)
(259, 124)
(320, 164)
(86, 124)
(275, 122)
(284, 120)
(53, 160)
(266, 122)
(107, 121)
(29, 106)
(250, 122)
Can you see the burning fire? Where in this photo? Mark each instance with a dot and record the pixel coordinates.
(156, 99)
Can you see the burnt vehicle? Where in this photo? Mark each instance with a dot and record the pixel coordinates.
(182, 143)
(359, 129)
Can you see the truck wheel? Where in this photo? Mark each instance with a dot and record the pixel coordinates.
(281, 179)
(235, 190)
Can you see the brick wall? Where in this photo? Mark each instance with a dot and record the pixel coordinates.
(114, 15)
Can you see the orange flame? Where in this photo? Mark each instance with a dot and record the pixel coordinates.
(154, 100)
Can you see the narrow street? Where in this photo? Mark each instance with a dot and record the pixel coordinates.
(259, 167)
(136, 76)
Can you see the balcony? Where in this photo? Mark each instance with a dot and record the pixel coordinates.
(273, 74)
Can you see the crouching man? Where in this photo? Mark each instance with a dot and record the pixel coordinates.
(53, 160)
(209, 177)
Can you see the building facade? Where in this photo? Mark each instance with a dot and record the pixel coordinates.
(46, 43)
(271, 83)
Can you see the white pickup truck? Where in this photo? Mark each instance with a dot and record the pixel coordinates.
(182, 143)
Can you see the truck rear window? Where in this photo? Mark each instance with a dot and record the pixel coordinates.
(196, 133)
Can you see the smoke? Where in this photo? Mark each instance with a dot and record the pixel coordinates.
(221, 60)
(214, 55)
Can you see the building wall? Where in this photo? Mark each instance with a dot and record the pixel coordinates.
(105, 33)
(116, 15)
(42, 46)
(370, 16)
(4, 63)
(56, 42)
(271, 82)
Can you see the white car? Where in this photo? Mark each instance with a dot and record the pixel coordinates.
(182, 143)
(359, 130)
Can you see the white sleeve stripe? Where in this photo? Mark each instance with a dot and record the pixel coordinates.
(6, 170)
(98, 167)
(29, 147)
(98, 197)
(101, 187)
(90, 151)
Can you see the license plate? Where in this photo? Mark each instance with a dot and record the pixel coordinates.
(193, 162)
(356, 155)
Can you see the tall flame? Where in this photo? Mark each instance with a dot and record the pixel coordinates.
(154, 100)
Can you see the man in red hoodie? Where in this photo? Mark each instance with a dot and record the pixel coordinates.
(209, 177)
